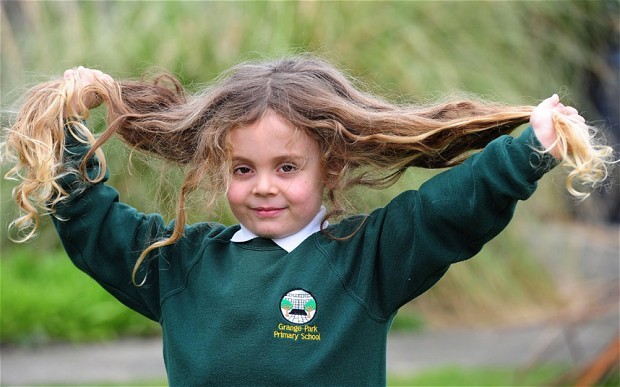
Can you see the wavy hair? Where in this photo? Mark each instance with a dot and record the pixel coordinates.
(364, 139)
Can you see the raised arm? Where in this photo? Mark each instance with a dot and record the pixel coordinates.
(102, 236)
(453, 215)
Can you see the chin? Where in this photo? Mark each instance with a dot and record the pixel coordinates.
(271, 234)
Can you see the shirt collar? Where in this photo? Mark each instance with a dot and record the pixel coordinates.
(288, 243)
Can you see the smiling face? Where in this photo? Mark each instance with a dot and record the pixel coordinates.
(276, 187)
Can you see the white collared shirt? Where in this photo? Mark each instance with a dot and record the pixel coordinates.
(288, 243)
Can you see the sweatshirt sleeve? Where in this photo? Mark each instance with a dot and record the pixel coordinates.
(406, 247)
(104, 237)
(455, 213)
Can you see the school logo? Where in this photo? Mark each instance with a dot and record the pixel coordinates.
(298, 306)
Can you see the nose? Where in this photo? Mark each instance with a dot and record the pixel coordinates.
(264, 185)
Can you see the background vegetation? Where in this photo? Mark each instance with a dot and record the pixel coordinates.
(516, 52)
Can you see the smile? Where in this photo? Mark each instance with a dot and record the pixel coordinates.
(267, 212)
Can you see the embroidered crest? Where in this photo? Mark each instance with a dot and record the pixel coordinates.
(298, 306)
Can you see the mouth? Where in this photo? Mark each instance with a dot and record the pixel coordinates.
(267, 212)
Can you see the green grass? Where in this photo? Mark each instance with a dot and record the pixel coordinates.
(135, 383)
(455, 376)
(447, 376)
(45, 298)
(477, 376)
(407, 320)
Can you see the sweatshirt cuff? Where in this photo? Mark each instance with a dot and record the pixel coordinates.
(72, 179)
(539, 162)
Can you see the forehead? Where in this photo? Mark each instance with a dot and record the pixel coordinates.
(271, 134)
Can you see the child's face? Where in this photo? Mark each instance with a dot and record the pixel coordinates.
(276, 188)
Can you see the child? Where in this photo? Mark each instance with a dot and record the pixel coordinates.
(285, 297)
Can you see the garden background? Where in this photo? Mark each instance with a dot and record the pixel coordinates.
(515, 52)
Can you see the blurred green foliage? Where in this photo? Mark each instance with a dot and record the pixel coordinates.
(516, 52)
(45, 298)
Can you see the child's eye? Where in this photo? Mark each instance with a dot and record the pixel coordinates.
(288, 168)
(242, 170)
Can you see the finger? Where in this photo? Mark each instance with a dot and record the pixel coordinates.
(81, 72)
(572, 115)
(578, 118)
(100, 76)
(567, 110)
(550, 102)
(88, 76)
(570, 110)
(103, 77)
(68, 74)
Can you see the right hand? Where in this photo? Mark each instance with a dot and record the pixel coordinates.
(84, 77)
(542, 122)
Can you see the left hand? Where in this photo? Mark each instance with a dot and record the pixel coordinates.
(84, 77)
(541, 120)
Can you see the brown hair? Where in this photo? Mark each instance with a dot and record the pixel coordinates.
(365, 140)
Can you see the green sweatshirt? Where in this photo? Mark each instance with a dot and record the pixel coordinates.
(252, 314)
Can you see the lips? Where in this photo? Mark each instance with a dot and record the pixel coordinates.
(267, 212)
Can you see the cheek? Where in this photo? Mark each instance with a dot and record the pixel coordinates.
(235, 194)
(305, 192)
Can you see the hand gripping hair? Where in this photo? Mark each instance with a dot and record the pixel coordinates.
(364, 139)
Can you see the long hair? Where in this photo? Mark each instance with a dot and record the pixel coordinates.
(364, 139)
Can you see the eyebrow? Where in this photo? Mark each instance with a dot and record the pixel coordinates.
(279, 159)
